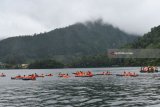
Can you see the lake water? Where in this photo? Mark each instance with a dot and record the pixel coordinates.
(97, 91)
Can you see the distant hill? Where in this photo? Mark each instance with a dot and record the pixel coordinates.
(64, 44)
(149, 40)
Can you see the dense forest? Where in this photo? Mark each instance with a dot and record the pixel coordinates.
(78, 45)
(150, 40)
(64, 44)
(45, 64)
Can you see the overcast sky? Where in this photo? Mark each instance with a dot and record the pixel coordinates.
(19, 17)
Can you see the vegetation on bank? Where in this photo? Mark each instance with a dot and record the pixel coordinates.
(87, 62)
(45, 64)
(86, 51)
(64, 44)
(104, 61)
(38, 64)
(150, 40)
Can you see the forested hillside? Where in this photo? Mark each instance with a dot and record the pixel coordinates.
(64, 44)
(149, 40)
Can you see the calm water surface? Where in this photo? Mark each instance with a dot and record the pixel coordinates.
(97, 91)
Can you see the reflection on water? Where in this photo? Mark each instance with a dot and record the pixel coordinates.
(98, 91)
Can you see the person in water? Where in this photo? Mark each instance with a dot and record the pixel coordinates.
(134, 74)
(124, 73)
(146, 69)
(35, 74)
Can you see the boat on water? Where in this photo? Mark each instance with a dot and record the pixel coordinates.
(19, 77)
(104, 73)
(16, 78)
(36, 75)
(29, 78)
(24, 77)
(2, 75)
(49, 75)
(63, 75)
(83, 75)
(127, 75)
(40, 76)
(149, 69)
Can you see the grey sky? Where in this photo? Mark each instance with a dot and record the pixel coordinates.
(19, 17)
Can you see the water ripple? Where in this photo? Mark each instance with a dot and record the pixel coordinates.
(99, 91)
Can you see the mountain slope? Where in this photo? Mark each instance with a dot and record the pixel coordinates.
(64, 44)
(149, 40)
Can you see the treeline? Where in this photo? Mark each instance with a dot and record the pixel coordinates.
(96, 61)
(104, 61)
(79, 45)
(88, 62)
(45, 64)
(64, 44)
(150, 40)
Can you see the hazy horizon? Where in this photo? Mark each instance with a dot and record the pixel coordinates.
(26, 17)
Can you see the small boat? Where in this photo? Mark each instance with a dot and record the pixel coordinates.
(149, 69)
(29, 78)
(14, 78)
(83, 75)
(142, 71)
(49, 75)
(104, 73)
(127, 75)
(2, 75)
(63, 75)
(60, 75)
(120, 75)
(99, 74)
(74, 73)
(17, 78)
(108, 74)
(40, 76)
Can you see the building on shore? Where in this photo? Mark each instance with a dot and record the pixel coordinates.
(24, 66)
